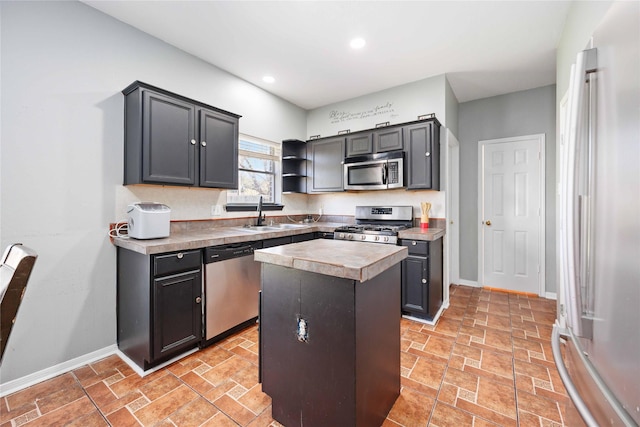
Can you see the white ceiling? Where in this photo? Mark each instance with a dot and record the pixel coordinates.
(486, 48)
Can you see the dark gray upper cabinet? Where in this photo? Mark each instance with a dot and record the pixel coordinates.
(422, 144)
(359, 144)
(326, 159)
(173, 140)
(377, 141)
(294, 166)
(167, 129)
(218, 157)
(387, 140)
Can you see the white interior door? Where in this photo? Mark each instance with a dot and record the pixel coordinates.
(511, 212)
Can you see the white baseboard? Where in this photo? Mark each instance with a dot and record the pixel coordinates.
(468, 283)
(138, 370)
(48, 373)
(428, 322)
(551, 295)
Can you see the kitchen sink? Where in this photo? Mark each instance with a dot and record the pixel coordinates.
(274, 227)
(287, 226)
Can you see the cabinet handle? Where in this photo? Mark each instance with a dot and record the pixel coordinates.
(427, 154)
(198, 300)
(414, 243)
(424, 281)
(180, 255)
(193, 142)
(204, 143)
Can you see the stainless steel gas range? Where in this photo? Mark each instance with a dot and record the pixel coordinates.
(377, 224)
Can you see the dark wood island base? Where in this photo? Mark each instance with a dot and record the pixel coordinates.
(329, 346)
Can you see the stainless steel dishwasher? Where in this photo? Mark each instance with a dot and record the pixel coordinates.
(231, 288)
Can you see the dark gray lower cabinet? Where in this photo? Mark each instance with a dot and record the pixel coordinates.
(302, 237)
(342, 368)
(276, 241)
(422, 278)
(158, 305)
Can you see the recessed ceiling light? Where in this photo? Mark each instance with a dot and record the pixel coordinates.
(357, 43)
(268, 79)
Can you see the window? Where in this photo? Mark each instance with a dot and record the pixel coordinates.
(258, 170)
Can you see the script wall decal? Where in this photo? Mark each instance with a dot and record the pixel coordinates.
(384, 111)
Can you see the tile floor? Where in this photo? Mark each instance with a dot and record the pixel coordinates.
(487, 362)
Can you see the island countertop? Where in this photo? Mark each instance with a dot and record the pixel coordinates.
(339, 258)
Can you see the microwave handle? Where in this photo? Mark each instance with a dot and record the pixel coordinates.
(384, 174)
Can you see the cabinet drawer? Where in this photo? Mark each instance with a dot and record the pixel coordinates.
(176, 262)
(276, 241)
(416, 247)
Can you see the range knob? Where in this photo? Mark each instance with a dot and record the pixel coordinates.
(363, 237)
(377, 238)
(341, 236)
(386, 238)
(350, 236)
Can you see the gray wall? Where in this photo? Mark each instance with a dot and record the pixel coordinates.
(515, 114)
(63, 67)
(396, 105)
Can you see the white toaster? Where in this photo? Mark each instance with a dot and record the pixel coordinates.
(148, 220)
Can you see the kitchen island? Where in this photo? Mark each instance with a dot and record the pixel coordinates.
(330, 331)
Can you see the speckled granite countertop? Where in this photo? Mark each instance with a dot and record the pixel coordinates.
(196, 239)
(214, 236)
(339, 258)
(418, 233)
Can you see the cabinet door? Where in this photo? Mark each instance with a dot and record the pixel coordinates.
(276, 241)
(415, 285)
(177, 313)
(360, 144)
(327, 157)
(423, 154)
(302, 237)
(298, 373)
(218, 150)
(435, 277)
(168, 150)
(387, 140)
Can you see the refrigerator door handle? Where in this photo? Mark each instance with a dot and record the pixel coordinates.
(575, 222)
(572, 391)
(562, 333)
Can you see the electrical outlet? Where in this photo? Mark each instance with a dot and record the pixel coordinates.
(216, 210)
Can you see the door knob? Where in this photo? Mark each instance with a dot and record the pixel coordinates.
(488, 222)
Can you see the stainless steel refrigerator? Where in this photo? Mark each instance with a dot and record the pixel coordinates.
(598, 327)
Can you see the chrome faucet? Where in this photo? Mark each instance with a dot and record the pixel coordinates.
(260, 217)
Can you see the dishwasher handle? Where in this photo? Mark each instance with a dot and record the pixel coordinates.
(221, 253)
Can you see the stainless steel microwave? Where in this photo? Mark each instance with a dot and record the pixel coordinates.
(375, 171)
